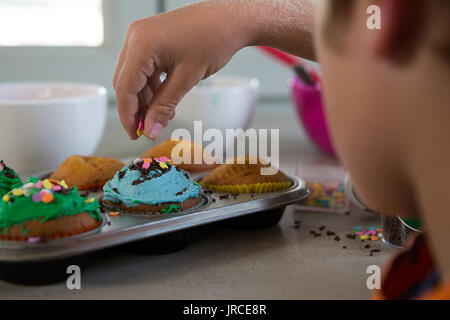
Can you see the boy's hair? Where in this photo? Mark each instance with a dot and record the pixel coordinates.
(340, 11)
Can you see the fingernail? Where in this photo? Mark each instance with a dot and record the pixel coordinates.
(155, 130)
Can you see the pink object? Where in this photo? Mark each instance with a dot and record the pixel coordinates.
(34, 239)
(56, 188)
(38, 184)
(146, 165)
(308, 103)
(36, 197)
(163, 159)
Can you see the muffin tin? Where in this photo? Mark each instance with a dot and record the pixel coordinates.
(22, 262)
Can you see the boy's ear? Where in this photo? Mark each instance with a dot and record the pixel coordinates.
(402, 27)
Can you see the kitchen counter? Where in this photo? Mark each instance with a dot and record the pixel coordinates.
(281, 262)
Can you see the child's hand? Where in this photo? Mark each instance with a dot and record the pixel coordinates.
(193, 42)
(188, 44)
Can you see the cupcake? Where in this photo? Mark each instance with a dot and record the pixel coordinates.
(87, 173)
(165, 148)
(245, 177)
(9, 179)
(45, 210)
(151, 185)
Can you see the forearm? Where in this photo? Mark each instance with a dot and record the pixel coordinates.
(284, 24)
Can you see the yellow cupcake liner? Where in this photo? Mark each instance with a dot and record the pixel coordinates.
(248, 188)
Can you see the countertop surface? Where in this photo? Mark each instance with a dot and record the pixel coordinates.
(282, 262)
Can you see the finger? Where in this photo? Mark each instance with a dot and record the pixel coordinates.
(166, 98)
(120, 60)
(155, 80)
(132, 79)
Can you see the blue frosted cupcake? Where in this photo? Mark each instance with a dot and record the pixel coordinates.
(151, 185)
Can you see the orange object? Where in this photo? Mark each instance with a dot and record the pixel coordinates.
(114, 213)
(47, 198)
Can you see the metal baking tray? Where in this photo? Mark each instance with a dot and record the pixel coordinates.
(126, 228)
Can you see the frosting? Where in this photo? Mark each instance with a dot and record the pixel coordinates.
(8, 179)
(150, 181)
(47, 199)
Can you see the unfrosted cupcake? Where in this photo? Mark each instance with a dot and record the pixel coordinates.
(165, 149)
(87, 173)
(9, 179)
(46, 209)
(151, 185)
(245, 177)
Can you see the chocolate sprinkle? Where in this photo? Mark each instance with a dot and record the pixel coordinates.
(154, 168)
(181, 192)
(121, 174)
(330, 233)
(337, 238)
(321, 228)
(225, 196)
(9, 174)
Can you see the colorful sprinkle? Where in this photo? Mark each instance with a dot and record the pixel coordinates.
(114, 213)
(6, 198)
(163, 165)
(90, 200)
(2, 166)
(329, 196)
(47, 184)
(369, 233)
(146, 165)
(34, 239)
(163, 159)
(38, 184)
(63, 184)
(37, 197)
(17, 192)
(149, 160)
(140, 130)
(28, 185)
(47, 198)
(170, 209)
(57, 188)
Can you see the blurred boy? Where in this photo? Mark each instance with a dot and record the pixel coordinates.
(386, 90)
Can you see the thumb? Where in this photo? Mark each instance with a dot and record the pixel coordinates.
(170, 92)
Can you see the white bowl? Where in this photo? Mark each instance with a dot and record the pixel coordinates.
(222, 102)
(42, 123)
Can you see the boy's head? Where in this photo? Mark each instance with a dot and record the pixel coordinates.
(387, 94)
